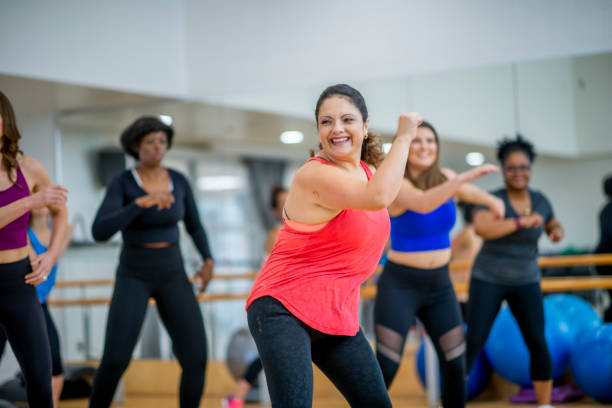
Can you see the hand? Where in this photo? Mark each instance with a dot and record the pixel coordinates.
(160, 199)
(204, 275)
(497, 208)
(408, 124)
(531, 221)
(556, 234)
(477, 172)
(41, 267)
(51, 195)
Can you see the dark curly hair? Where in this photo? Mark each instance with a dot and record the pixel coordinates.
(10, 137)
(432, 176)
(132, 136)
(607, 186)
(518, 144)
(275, 191)
(371, 148)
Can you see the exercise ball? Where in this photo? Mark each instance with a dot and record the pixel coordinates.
(579, 314)
(241, 352)
(477, 381)
(507, 351)
(592, 363)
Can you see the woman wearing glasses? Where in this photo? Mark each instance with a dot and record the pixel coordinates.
(506, 267)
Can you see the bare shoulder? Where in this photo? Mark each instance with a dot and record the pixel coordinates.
(33, 171)
(450, 174)
(30, 164)
(312, 171)
(372, 168)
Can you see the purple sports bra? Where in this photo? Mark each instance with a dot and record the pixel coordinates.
(14, 235)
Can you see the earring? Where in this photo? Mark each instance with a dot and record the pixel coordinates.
(365, 137)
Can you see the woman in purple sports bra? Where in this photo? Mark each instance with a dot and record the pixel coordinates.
(24, 186)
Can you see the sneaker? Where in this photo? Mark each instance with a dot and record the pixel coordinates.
(231, 402)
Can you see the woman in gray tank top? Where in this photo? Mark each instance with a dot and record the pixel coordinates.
(506, 267)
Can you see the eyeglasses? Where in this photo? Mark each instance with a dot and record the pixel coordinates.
(514, 169)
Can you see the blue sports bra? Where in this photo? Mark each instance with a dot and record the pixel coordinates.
(416, 232)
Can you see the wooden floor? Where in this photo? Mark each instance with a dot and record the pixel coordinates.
(414, 402)
(154, 383)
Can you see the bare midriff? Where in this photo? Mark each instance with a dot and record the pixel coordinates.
(156, 245)
(423, 259)
(13, 255)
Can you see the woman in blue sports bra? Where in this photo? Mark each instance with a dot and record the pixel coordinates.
(415, 281)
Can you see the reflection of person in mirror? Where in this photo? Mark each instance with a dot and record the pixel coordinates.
(278, 196)
(415, 281)
(605, 237)
(507, 268)
(146, 204)
(25, 186)
(304, 304)
(464, 247)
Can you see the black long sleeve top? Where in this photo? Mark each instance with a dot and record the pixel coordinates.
(119, 212)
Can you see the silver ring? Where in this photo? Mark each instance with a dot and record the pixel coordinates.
(44, 278)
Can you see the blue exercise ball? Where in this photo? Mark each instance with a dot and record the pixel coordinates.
(592, 363)
(579, 314)
(507, 351)
(477, 381)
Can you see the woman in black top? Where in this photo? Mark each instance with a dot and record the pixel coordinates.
(605, 237)
(146, 204)
(507, 266)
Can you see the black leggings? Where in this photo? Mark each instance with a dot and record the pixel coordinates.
(525, 302)
(405, 292)
(22, 318)
(287, 348)
(158, 273)
(253, 371)
(56, 358)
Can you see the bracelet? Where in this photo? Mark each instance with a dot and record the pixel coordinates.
(517, 221)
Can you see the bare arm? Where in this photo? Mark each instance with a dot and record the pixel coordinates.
(414, 199)
(271, 239)
(333, 188)
(475, 195)
(41, 185)
(554, 230)
(488, 227)
(14, 210)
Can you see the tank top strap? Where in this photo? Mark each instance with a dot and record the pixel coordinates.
(320, 160)
(21, 180)
(364, 166)
(367, 169)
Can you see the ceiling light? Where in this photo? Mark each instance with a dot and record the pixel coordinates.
(386, 147)
(474, 158)
(292, 137)
(166, 119)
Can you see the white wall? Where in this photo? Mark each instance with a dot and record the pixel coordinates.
(275, 45)
(133, 45)
(593, 90)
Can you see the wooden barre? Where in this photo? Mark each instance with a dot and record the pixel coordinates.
(544, 261)
(556, 284)
(212, 297)
(569, 283)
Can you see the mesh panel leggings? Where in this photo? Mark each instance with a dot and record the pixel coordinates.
(178, 309)
(525, 302)
(22, 319)
(405, 292)
(287, 348)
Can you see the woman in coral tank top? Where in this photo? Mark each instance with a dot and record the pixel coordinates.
(303, 306)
